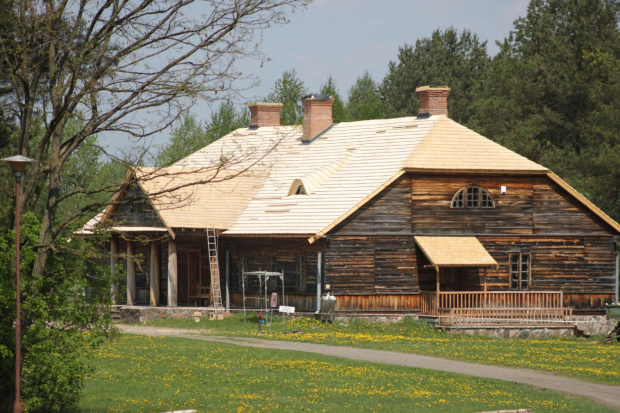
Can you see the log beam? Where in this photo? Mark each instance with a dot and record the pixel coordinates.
(155, 274)
(131, 273)
(172, 273)
(115, 290)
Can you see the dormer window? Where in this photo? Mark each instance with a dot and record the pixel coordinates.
(298, 188)
(472, 196)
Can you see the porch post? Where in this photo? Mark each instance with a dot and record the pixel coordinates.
(172, 273)
(131, 273)
(485, 288)
(227, 280)
(155, 274)
(113, 269)
(437, 300)
(319, 257)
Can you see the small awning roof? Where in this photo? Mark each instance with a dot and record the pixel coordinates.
(455, 252)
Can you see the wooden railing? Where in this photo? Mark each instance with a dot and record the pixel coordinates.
(431, 302)
(428, 303)
(505, 316)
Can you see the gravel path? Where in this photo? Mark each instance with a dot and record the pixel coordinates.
(600, 393)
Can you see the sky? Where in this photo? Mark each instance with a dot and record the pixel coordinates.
(344, 38)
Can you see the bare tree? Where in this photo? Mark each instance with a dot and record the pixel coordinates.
(108, 62)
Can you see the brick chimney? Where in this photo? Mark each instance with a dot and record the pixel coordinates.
(264, 114)
(433, 100)
(317, 115)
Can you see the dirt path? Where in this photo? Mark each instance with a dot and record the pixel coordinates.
(600, 393)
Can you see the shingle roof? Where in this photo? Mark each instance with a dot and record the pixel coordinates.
(341, 170)
(455, 251)
(181, 203)
(452, 147)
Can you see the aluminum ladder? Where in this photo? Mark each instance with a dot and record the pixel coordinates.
(214, 268)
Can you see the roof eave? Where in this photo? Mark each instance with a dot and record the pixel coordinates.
(584, 201)
(480, 171)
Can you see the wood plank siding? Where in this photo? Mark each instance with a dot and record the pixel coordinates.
(372, 252)
(371, 262)
(531, 205)
(136, 211)
(296, 257)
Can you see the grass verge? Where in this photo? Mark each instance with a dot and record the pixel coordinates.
(573, 357)
(155, 374)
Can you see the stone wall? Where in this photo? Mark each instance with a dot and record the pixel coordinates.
(514, 332)
(136, 314)
(593, 324)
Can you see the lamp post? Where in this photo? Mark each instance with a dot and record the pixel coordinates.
(18, 165)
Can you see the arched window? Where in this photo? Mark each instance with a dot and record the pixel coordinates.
(298, 188)
(472, 196)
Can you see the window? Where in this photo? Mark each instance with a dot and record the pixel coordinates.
(520, 265)
(472, 196)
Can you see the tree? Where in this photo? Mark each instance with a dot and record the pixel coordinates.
(289, 90)
(339, 110)
(105, 64)
(191, 135)
(364, 99)
(446, 58)
(553, 94)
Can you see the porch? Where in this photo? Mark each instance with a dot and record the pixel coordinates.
(475, 308)
(517, 305)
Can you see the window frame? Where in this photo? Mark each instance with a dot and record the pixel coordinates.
(520, 271)
(472, 197)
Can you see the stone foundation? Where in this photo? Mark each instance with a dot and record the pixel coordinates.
(593, 324)
(514, 332)
(136, 314)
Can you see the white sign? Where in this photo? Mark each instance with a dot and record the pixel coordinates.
(286, 309)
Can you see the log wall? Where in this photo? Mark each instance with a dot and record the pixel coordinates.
(136, 211)
(571, 248)
(531, 205)
(296, 257)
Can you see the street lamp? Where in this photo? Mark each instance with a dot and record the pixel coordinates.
(18, 165)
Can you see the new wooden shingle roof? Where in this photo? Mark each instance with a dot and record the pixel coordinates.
(455, 252)
(256, 170)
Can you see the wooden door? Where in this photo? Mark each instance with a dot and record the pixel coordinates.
(193, 276)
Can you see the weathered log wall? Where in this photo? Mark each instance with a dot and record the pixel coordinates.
(571, 248)
(296, 257)
(136, 211)
(531, 205)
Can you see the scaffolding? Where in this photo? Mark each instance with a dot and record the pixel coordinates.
(262, 295)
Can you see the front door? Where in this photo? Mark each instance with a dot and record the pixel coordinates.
(193, 276)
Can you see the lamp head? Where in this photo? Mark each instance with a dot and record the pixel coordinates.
(18, 165)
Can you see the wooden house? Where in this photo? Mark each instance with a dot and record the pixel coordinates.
(415, 214)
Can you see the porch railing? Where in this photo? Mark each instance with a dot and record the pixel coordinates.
(464, 317)
(431, 302)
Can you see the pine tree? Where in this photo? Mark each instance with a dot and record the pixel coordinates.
(339, 111)
(364, 99)
(289, 90)
(446, 58)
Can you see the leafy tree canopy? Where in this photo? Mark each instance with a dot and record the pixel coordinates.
(289, 90)
(339, 110)
(72, 71)
(446, 58)
(553, 94)
(191, 134)
(364, 99)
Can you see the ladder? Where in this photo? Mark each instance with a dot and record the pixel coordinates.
(214, 268)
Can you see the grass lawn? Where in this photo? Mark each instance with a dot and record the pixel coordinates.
(574, 357)
(155, 374)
